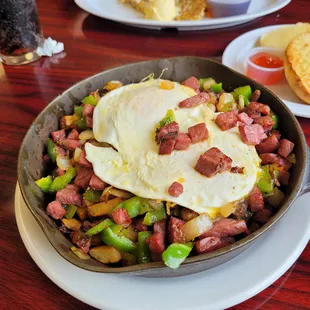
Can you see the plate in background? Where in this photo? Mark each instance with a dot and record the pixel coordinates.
(114, 10)
(234, 56)
(218, 288)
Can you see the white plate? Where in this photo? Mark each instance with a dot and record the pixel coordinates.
(218, 288)
(233, 57)
(114, 10)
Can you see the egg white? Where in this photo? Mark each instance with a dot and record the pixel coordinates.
(127, 119)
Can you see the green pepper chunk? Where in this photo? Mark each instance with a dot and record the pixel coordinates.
(92, 195)
(245, 91)
(134, 206)
(70, 211)
(265, 182)
(91, 100)
(52, 150)
(217, 88)
(110, 237)
(63, 180)
(78, 110)
(206, 83)
(168, 119)
(81, 124)
(99, 227)
(154, 216)
(275, 119)
(144, 254)
(176, 253)
(45, 183)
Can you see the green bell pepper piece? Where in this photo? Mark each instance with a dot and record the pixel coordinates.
(91, 100)
(176, 253)
(275, 119)
(92, 195)
(154, 216)
(134, 206)
(217, 88)
(52, 150)
(206, 83)
(168, 119)
(70, 211)
(78, 110)
(45, 183)
(144, 254)
(265, 182)
(99, 227)
(81, 124)
(63, 180)
(112, 236)
(245, 91)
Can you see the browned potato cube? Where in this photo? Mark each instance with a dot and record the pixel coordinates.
(72, 224)
(103, 208)
(82, 213)
(79, 253)
(105, 254)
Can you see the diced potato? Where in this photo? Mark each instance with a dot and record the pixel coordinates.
(188, 214)
(113, 85)
(130, 233)
(96, 240)
(77, 154)
(103, 208)
(86, 135)
(68, 120)
(129, 259)
(79, 253)
(72, 224)
(212, 212)
(88, 203)
(105, 254)
(120, 193)
(227, 209)
(81, 213)
(226, 103)
(166, 85)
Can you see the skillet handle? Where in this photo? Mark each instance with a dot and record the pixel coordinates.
(306, 186)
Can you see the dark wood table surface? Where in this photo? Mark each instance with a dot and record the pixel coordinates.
(93, 45)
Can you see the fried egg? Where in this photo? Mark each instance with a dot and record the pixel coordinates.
(127, 119)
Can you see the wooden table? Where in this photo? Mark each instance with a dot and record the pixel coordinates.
(93, 45)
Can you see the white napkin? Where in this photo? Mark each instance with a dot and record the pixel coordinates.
(50, 47)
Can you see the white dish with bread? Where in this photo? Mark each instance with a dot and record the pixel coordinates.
(291, 41)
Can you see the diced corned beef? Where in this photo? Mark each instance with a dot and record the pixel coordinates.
(237, 169)
(192, 82)
(183, 142)
(271, 158)
(256, 200)
(97, 183)
(226, 227)
(166, 146)
(225, 241)
(160, 227)
(269, 145)
(276, 133)
(73, 187)
(83, 177)
(169, 128)
(60, 171)
(227, 120)
(81, 240)
(58, 135)
(286, 147)
(253, 227)
(89, 121)
(198, 132)
(262, 216)
(83, 161)
(55, 210)
(175, 233)
(139, 226)
(241, 211)
(61, 151)
(46, 158)
(88, 110)
(70, 144)
(74, 134)
(265, 121)
(207, 244)
(121, 217)
(252, 134)
(212, 162)
(194, 101)
(156, 242)
(259, 108)
(69, 196)
(283, 177)
(175, 189)
(244, 118)
(255, 96)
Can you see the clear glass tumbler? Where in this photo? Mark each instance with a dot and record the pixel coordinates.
(20, 32)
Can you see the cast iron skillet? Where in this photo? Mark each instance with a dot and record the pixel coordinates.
(31, 168)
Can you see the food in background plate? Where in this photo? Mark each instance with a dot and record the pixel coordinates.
(297, 66)
(281, 37)
(160, 170)
(224, 8)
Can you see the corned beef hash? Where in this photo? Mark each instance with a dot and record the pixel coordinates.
(160, 170)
